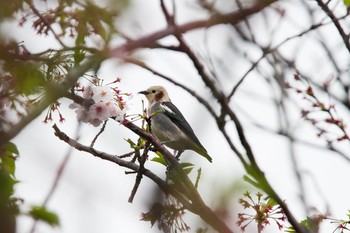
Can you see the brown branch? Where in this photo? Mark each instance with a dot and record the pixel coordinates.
(129, 46)
(252, 67)
(255, 171)
(123, 163)
(52, 93)
(169, 17)
(142, 160)
(220, 97)
(252, 169)
(215, 19)
(42, 18)
(196, 205)
(336, 23)
(99, 133)
(267, 51)
(190, 91)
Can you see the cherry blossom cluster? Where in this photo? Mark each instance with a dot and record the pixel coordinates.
(101, 103)
(342, 225)
(54, 107)
(262, 212)
(320, 114)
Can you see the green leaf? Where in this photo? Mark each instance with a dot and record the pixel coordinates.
(186, 164)
(346, 2)
(251, 181)
(41, 213)
(79, 56)
(133, 145)
(188, 170)
(82, 32)
(199, 173)
(159, 160)
(7, 183)
(271, 202)
(11, 147)
(305, 223)
(8, 153)
(28, 78)
(187, 167)
(289, 229)
(8, 164)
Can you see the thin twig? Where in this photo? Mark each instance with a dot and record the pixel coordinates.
(253, 169)
(123, 163)
(52, 93)
(195, 205)
(99, 133)
(120, 51)
(336, 23)
(198, 205)
(142, 160)
(215, 19)
(173, 81)
(42, 18)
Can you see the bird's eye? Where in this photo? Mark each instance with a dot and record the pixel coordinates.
(153, 91)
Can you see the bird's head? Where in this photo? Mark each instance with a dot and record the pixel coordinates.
(156, 94)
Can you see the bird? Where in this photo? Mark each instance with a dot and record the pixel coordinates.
(169, 125)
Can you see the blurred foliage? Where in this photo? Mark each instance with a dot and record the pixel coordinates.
(8, 204)
(311, 224)
(84, 29)
(26, 76)
(10, 8)
(168, 216)
(41, 213)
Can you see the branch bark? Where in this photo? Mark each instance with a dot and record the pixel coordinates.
(51, 94)
(216, 19)
(198, 206)
(195, 204)
(122, 50)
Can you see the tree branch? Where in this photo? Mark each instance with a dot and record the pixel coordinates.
(215, 19)
(252, 169)
(123, 163)
(129, 46)
(196, 205)
(52, 93)
(336, 23)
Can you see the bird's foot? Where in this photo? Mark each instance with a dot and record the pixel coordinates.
(177, 154)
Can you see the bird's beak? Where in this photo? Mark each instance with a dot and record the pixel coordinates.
(144, 92)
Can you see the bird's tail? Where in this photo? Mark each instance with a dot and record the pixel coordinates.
(202, 151)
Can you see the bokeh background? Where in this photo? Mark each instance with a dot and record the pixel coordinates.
(92, 194)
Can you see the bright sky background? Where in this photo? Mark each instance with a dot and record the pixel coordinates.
(92, 194)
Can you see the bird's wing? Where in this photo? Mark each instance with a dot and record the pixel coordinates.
(171, 111)
(178, 119)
